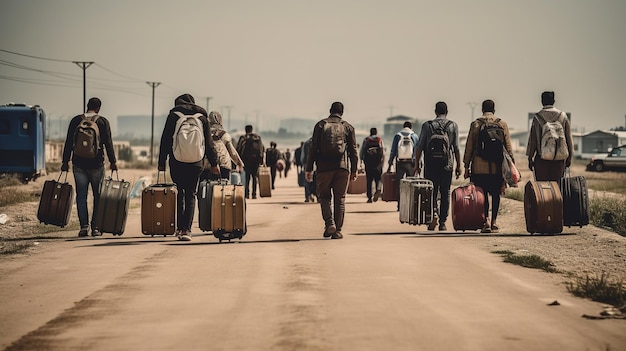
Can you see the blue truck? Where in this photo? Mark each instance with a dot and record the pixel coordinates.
(22, 141)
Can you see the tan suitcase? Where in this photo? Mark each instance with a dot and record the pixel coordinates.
(358, 186)
(543, 207)
(228, 212)
(265, 182)
(158, 209)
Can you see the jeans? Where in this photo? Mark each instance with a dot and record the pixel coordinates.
(252, 173)
(333, 185)
(84, 178)
(372, 174)
(403, 168)
(186, 177)
(442, 180)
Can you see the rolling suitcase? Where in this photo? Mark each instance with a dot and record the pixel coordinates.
(416, 201)
(158, 209)
(205, 199)
(236, 178)
(112, 208)
(228, 212)
(55, 204)
(468, 207)
(265, 182)
(359, 186)
(543, 207)
(390, 190)
(575, 200)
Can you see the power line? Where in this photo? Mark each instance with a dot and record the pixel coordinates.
(35, 57)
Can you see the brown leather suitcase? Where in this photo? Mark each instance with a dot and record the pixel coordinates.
(468, 211)
(358, 186)
(158, 209)
(228, 212)
(265, 182)
(55, 204)
(390, 189)
(543, 207)
(112, 208)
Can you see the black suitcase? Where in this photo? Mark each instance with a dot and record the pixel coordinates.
(112, 208)
(205, 199)
(55, 204)
(575, 200)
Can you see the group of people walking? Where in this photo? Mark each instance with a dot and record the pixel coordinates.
(206, 151)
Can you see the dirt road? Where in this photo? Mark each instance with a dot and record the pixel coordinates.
(386, 285)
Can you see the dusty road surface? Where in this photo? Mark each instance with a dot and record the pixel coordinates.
(385, 286)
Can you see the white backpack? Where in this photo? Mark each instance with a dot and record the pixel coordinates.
(405, 147)
(553, 144)
(188, 138)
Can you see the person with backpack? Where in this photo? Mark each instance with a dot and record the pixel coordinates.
(550, 146)
(403, 153)
(186, 141)
(250, 148)
(309, 187)
(226, 153)
(487, 139)
(439, 141)
(373, 156)
(334, 152)
(272, 155)
(88, 136)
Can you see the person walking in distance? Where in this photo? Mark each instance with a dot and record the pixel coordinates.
(334, 152)
(88, 136)
(487, 137)
(272, 155)
(226, 153)
(186, 141)
(373, 155)
(439, 142)
(250, 148)
(309, 187)
(297, 157)
(403, 153)
(550, 145)
(287, 157)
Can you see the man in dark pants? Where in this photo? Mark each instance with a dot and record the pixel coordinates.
(251, 150)
(185, 172)
(373, 155)
(403, 152)
(334, 152)
(437, 170)
(88, 171)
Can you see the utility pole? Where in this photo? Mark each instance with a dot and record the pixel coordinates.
(84, 65)
(472, 105)
(153, 85)
(228, 108)
(207, 103)
(257, 126)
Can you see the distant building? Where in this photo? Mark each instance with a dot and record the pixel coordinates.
(298, 125)
(597, 142)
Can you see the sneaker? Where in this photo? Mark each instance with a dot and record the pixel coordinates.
(247, 196)
(432, 224)
(83, 232)
(376, 195)
(185, 235)
(253, 196)
(330, 230)
(442, 227)
(96, 232)
(369, 201)
(495, 228)
(337, 235)
(486, 228)
(307, 200)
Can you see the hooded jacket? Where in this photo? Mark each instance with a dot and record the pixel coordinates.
(185, 104)
(223, 142)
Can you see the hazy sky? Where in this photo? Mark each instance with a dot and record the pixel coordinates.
(293, 58)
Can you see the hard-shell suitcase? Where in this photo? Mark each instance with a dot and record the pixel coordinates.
(228, 212)
(205, 200)
(55, 204)
(112, 208)
(543, 207)
(265, 182)
(416, 201)
(158, 209)
(468, 207)
(575, 200)
(236, 178)
(358, 186)
(390, 190)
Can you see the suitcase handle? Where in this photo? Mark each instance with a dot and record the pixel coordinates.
(60, 174)
(117, 176)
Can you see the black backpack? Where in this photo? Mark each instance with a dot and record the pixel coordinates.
(438, 146)
(490, 141)
(333, 143)
(373, 152)
(252, 148)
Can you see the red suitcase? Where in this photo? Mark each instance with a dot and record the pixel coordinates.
(468, 211)
(55, 204)
(390, 188)
(359, 186)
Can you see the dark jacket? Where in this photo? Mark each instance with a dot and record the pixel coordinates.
(348, 161)
(106, 142)
(186, 105)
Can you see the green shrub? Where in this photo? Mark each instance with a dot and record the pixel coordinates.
(600, 289)
(608, 212)
(10, 196)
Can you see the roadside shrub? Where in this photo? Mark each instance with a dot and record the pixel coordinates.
(608, 212)
(600, 289)
(10, 196)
